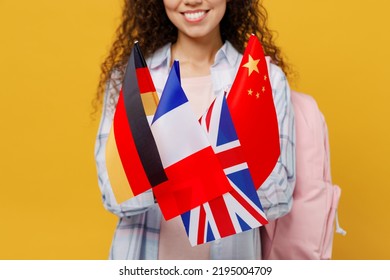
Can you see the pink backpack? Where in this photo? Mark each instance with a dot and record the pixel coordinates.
(307, 231)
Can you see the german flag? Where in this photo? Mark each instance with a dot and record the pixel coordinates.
(132, 158)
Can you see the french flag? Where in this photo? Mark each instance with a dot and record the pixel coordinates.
(195, 175)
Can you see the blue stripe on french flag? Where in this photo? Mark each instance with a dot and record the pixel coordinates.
(175, 96)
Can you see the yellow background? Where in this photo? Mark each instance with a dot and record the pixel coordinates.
(50, 51)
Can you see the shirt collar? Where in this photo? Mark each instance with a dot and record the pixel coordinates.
(162, 56)
(227, 52)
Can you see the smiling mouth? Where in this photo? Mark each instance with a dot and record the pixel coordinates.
(195, 15)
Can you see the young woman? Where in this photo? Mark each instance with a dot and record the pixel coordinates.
(208, 38)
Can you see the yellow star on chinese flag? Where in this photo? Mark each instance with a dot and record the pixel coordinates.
(251, 65)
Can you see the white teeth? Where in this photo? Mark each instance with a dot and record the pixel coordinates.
(194, 16)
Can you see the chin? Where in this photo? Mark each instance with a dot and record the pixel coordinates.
(199, 33)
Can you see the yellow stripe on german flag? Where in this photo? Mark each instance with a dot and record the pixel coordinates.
(116, 173)
(150, 101)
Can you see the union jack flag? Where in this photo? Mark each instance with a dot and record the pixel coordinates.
(238, 210)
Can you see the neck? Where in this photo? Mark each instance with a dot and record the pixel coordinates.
(196, 55)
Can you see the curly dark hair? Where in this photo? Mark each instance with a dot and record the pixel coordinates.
(147, 22)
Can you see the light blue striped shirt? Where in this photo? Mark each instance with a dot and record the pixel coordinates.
(137, 232)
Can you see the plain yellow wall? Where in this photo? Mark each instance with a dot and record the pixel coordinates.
(50, 51)
(341, 51)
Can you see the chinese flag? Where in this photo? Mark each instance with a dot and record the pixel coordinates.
(132, 159)
(253, 112)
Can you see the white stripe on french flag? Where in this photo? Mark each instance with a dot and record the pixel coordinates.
(178, 135)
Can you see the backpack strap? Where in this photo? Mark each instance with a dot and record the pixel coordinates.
(327, 173)
(339, 229)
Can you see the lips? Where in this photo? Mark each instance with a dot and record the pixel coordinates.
(195, 15)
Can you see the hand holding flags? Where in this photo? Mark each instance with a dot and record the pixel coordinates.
(213, 187)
